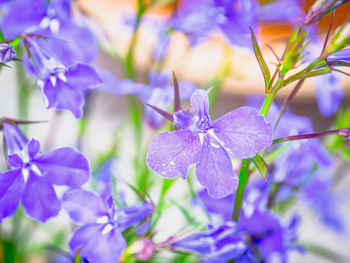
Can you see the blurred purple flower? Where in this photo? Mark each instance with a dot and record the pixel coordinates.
(71, 42)
(159, 92)
(198, 19)
(99, 237)
(317, 194)
(242, 133)
(329, 93)
(286, 11)
(7, 53)
(33, 176)
(216, 244)
(342, 55)
(261, 230)
(61, 87)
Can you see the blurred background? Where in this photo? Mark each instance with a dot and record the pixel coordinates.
(112, 21)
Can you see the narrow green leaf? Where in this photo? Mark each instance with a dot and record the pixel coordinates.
(322, 252)
(77, 258)
(263, 66)
(260, 163)
(304, 75)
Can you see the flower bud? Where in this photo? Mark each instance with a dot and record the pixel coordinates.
(321, 8)
(143, 249)
(7, 53)
(340, 39)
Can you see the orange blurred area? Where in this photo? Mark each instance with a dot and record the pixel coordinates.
(201, 63)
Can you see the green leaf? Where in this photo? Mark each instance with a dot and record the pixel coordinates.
(260, 163)
(77, 258)
(304, 75)
(263, 66)
(322, 252)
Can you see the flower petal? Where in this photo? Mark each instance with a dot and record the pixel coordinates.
(329, 94)
(15, 140)
(96, 246)
(82, 77)
(64, 166)
(171, 153)
(243, 132)
(39, 198)
(200, 103)
(214, 171)
(62, 97)
(11, 191)
(75, 202)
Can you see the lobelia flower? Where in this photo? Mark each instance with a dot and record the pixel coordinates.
(242, 132)
(158, 92)
(218, 243)
(7, 53)
(198, 19)
(33, 175)
(71, 41)
(100, 239)
(265, 237)
(61, 87)
(281, 11)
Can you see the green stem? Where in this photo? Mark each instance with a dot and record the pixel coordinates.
(271, 96)
(129, 59)
(243, 180)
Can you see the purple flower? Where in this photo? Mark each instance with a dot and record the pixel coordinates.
(329, 93)
(7, 53)
(99, 237)
(61, 87)
(281, 11)
(242, 133)
(33, 175)
(261, 231)
(158, 92)
(198, 19)
(216, 244)
(71, 41)
(342, 55)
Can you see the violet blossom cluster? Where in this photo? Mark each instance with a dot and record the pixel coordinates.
(252, 164)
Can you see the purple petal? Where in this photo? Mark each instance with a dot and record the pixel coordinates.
(98, 247)
(113, 85)
(39, 198)
(15, 140)
(281, 11)
(82, 77)
(243, 131)
(214, 170)
(31, 14)
(222, 207)
(33, 148)
(200, 104)
(74, 44)
(234, 19)
(329, 94)
(62, 97)
(171, 153)
(342, 55)
(64, 166)
(11, 191)
(75, 202)
(15, 161)
(186, 88)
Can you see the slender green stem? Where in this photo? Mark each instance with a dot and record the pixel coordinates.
(129, 59)
(243, 180)
(271, 96)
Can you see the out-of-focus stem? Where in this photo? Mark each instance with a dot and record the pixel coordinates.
(243, 180)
